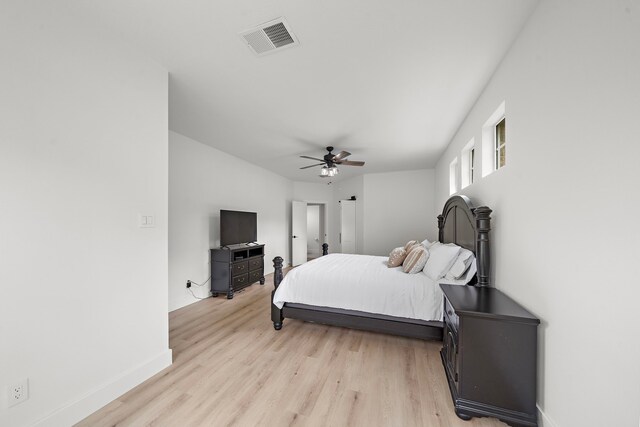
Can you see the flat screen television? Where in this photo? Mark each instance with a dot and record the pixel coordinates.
(238, 227)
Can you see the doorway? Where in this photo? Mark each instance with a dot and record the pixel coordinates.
(309, 231)
(315, 230)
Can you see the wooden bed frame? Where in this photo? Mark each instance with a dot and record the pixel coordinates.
(460, 223)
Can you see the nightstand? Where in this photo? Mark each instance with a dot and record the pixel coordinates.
(489, 355)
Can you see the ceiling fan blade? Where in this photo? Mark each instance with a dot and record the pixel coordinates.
(312, 166)
(351, 163)
(312, 158)
(341, 155)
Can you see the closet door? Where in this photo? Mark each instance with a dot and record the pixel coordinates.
(348, 226)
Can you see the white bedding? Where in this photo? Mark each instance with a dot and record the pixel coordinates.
(363, 283)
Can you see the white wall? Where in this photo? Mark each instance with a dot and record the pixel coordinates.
(566, 205)
(83, 137)
(398, 207)
(203, 180)
(391, 208)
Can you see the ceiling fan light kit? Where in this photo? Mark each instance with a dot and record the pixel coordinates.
(327, 172)
(330, 160)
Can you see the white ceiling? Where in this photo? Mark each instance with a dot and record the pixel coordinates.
(389, 81)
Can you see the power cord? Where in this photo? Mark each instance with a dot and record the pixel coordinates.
(194, 295)
(191, 282)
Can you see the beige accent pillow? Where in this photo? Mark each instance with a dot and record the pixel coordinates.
(410, 244)
(415, 260)
(396, 257)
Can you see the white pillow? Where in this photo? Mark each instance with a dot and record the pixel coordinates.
(461, 264)
(426, 243)
(466, 278)
(441, 258)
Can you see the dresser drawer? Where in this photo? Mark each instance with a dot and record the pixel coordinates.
(239, 268)
(450, 355)
(255, 275)
(240, 281)
(450, 316)
(255, 263)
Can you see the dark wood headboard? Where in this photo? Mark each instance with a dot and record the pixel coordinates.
(467, 226)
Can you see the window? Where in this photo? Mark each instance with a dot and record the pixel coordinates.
(494, 139)
(500, 145)
(453, 169)
(472, 163)
(468, 163)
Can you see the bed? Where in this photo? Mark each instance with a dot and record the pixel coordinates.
(359, 291)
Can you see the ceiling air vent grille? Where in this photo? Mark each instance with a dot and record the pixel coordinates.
(270, 36)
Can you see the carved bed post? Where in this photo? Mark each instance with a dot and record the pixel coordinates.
(276, 313)
(440, 228)
(483, 226)
(325, 249)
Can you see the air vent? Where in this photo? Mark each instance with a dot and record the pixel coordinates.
(269, 37)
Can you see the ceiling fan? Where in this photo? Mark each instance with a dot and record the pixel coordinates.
(330, 161)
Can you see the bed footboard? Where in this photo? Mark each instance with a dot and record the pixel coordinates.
(276, 313)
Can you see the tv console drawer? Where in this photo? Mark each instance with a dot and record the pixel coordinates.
(239, 268)
(255, 263)
(240, 281)
(255, 275)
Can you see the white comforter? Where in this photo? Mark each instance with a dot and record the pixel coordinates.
(363, 283)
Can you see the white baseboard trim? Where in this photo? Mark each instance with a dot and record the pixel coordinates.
(543, 419)
(92, 401)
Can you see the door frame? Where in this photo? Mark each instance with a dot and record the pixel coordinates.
(298, 237)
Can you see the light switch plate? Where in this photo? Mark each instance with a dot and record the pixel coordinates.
(146, 221)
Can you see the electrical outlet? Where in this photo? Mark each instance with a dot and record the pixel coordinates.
(18, 392)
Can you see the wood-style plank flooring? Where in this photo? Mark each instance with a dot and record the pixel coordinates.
(231, 368)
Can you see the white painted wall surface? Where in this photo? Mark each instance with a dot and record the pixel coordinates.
(565, 224)
(83, 142)
(398, 207)
(203, 180)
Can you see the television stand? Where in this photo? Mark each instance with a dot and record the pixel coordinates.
(235, 267)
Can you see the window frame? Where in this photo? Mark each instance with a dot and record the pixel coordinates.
(466, 166)
(453, 177)
(498, 146)
(472, 154)
(487, 154)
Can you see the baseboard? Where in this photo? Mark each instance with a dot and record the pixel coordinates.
(543, 419)
(99, 397)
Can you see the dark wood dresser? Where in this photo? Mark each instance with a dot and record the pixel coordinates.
(236, 267)
(489, 355)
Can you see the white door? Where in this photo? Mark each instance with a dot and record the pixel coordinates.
(298, 233)
(348, 226)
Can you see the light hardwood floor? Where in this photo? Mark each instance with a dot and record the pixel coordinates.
(231, 367)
